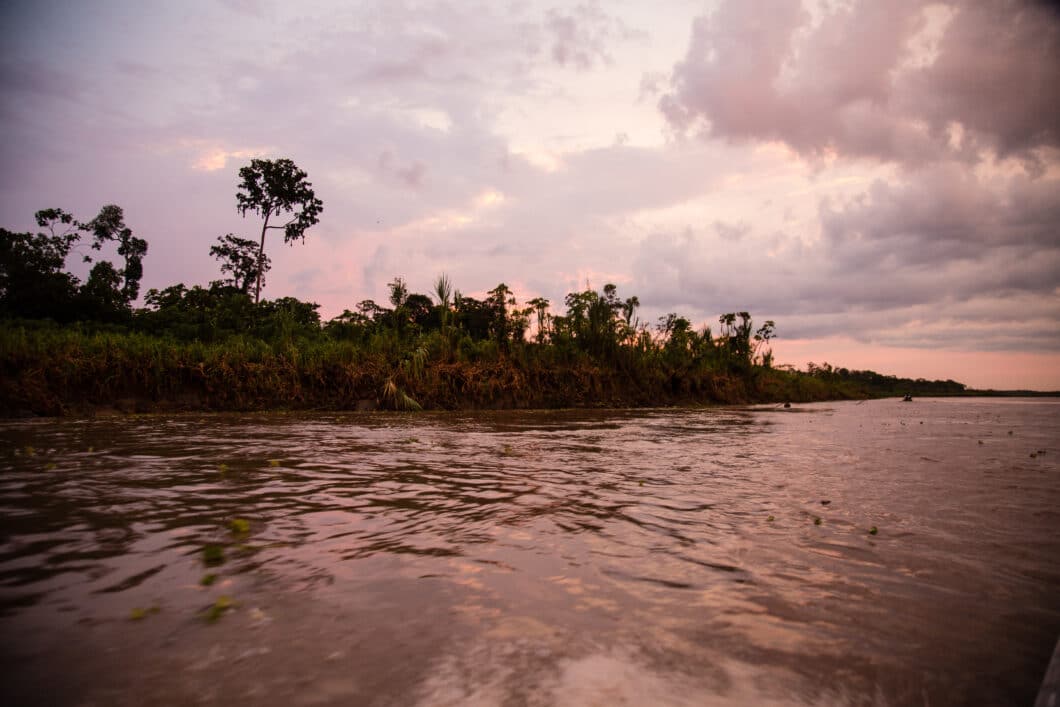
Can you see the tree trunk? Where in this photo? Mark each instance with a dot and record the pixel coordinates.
(261, 254)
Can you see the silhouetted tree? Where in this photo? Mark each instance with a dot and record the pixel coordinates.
(420, 310)
(108, 226)
(443, 291)
(498, 300)
(540, 308)
(762, 337)
(273, 187)
(399, 291)
(32, 280)
(102, 297)
(242, 260)
(33, 283)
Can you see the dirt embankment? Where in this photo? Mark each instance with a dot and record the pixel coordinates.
(92, 386)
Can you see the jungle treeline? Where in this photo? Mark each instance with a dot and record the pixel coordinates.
(213, 348)
(70, 346)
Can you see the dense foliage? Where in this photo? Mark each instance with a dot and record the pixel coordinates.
(64, 342)
(34, 284)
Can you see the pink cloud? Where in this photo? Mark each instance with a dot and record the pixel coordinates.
(763, 71)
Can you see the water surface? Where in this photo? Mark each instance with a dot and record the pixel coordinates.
(669, 557)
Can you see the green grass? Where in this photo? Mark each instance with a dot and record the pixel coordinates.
(52, 370)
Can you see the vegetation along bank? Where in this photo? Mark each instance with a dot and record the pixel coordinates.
(71, 347)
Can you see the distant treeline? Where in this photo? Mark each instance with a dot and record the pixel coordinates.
(67, 345)
(880, 384)
(214, 348)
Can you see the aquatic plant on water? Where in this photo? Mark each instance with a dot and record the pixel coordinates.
(139, 613)
(218, 608)
(213, 555)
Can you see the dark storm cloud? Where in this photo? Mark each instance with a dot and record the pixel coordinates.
(944, 248)
(854, 84)
(944, 213)
(906, 256)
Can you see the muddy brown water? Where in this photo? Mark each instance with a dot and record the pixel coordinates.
(658, 557)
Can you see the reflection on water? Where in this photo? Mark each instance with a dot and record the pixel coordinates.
(634, 557)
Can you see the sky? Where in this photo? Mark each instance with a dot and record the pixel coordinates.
(881, 179)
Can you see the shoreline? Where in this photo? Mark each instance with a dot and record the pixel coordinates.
(53, 404)
(49, 372)
(133, 407)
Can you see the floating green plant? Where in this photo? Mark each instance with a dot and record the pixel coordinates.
(213, 555)
(49, 466)
(218, 608)
(873, 530)
(208, 579)
(138, 614)
(222, 468)
(274, 462)
(770, 519)
(30, 451)
(239, 526)
(507, 450)
(91, 449)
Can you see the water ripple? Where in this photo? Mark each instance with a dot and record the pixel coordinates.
(745, 530)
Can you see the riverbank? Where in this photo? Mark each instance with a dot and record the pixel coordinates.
(54, 373)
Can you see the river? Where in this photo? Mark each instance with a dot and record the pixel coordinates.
(875, 553)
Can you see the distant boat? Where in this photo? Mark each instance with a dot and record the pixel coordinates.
(908, 398)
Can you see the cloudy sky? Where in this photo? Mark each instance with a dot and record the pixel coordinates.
(880, 178)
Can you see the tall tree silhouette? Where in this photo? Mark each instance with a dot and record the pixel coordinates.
(270, 188)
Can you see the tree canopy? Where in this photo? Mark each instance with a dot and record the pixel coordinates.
(34, 284)
(241, 260)
(270, 188)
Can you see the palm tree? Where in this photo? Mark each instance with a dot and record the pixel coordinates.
(443, 290)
